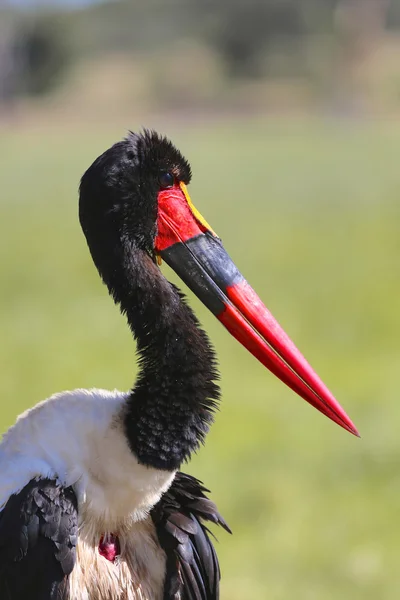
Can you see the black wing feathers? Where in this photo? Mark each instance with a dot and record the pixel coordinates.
(192, 571)
(38, 536)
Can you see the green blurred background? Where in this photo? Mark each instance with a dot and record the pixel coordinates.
(288, 113)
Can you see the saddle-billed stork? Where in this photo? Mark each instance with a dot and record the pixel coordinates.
(93, 506)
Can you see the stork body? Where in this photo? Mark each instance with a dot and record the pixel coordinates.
(103, 487)
(72, 445)
(93, 506)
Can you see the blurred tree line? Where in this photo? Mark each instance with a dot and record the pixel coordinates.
(252, 39)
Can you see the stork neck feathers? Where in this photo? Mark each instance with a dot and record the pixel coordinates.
(170, 409)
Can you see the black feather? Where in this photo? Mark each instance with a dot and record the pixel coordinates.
(192, 571)
(172, 404)
(38, 535)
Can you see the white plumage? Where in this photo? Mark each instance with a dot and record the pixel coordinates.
(76, 437)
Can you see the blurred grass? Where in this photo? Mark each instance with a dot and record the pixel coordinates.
(309, 211)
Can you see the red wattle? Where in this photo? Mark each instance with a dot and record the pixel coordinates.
(109, 547)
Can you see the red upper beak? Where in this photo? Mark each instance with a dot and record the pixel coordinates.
(187, 243)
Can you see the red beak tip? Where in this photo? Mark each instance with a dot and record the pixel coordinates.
(353, 430)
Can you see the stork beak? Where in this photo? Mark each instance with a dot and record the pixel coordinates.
(188, 244)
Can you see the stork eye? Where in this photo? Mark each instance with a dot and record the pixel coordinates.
(166, 180)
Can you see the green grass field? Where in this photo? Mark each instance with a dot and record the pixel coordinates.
(310, 213)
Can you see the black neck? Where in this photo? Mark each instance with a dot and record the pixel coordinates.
(171, 406)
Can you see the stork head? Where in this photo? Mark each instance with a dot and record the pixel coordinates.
(135, 195)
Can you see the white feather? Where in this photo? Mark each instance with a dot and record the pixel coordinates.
(77, 437)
